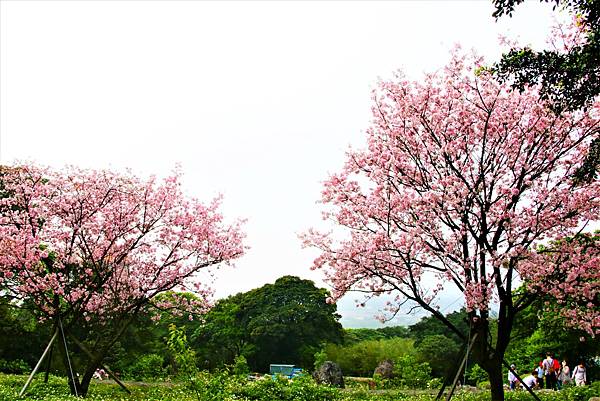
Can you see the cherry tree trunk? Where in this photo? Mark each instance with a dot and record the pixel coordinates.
(496, 382)
(490, 357)
(85, 381)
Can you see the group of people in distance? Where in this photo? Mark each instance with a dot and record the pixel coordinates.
(550, 372)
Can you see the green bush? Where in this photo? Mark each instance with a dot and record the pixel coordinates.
(147, 367)
(484, 385)
(240, 366)
(17, 366)
(435, 383)
(361, 359)
(320, 359)
(183, 356)
(583, 393)
(300, 389)
(212, 387)
(409, 373)
(224, 387)
(476, 375)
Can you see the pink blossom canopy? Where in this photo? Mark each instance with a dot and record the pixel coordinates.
(460, 181)
(100, 242)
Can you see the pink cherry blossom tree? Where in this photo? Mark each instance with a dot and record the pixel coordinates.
(93, 248)
(460, 182)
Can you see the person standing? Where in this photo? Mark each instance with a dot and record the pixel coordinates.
(579, 374)
(540, 375)
(564, 375)
(549, 373)
(512, 379)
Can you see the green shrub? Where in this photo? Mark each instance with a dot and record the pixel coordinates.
(408, 373)
(212, 387)
(320, 359)
(183, 356)
(583, 393)
(302, 388)
(484, 385)
(147, 367)
(221, 386)
(16, 366)
(435, 383)
(361, 359)
(240, 366)
(275, 389)
(476, 375)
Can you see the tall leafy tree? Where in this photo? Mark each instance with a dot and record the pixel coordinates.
(21, 335)
(460, 180)
(356, 335)
(439, 352)
(539, 330)
(284, 322)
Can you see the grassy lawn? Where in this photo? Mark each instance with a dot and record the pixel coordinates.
(220, 387)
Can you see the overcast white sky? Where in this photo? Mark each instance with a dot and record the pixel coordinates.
(256, 100)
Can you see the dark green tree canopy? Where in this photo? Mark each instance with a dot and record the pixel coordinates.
(352, 336)
(440, 352)
(284, 322)
(431, 326)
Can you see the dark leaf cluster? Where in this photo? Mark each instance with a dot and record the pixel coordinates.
(570, 80)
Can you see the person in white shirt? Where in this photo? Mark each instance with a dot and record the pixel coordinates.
(512, 379)
(579, 374)
(531, 380)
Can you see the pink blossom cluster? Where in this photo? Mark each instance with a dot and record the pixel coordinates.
(97, 242)
(460, 177)
(566, 36)
(569, 272)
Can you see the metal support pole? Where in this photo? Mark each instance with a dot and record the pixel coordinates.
(48, 365)
(62, 334)
(451, 373)
(37, 366)
(462, 366)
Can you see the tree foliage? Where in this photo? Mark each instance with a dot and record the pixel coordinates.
(538, 330)
(440, 352)
(284, 322)
(460, 181)
(569, 72)
(361, 358)
(431, 326)
(352, 336)
(569, 75)
(90, 249)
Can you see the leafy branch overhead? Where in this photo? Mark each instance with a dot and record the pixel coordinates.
(569, 76)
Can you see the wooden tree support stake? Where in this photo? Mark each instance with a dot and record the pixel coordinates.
(450, 373)
(462, 366)
(48, 364)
